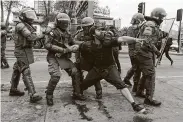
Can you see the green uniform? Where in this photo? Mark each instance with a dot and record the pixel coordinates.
(58, 39)
(24, 39)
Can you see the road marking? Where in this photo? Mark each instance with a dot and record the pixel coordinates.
(169, 77)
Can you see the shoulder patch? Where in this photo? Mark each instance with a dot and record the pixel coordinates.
(51, 33)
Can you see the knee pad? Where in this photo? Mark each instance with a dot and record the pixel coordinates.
(26, 71)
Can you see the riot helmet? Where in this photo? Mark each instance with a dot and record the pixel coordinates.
(28, 15)
(86, 24)
(159, 14)
(137, 18)
(62, 21)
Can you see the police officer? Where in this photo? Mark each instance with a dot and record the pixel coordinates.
(59, 44)
(146, 54)
(104, 63)
(85, 59)
(133, 30)
(116, 49)
(4, 63)
(24, 39)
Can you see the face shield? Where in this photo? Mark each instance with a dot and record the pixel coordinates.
(63, 24)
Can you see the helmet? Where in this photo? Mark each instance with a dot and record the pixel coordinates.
(137, 18)
(27, 14)
(158, 13)
(62, 20)
(87, 21)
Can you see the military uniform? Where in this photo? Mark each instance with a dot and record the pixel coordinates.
(134, 70)
(24, 39)
(146, 58)
(4, 63)
(85, 59)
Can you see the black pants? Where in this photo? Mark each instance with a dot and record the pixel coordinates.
(166, 51)
(110, 74)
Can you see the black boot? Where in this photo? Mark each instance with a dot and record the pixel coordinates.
(49, 99)
(99, 94)
(15, 92)
(35, 98)
(152, 102)
(78, 97)
(171, 62)
(138, 108)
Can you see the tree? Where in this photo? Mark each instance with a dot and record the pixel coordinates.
(2, 12)
(8, 5)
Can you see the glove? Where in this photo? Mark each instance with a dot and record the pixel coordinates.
(74, 48)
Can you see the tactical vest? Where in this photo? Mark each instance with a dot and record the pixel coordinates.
(149, 41)
(19, 39)
(61, 39)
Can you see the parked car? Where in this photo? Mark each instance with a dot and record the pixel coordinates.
(174, 46)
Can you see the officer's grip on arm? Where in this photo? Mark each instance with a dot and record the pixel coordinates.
(54, 48)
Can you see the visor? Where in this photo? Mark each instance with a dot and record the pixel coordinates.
(63, 23)
(30, 14)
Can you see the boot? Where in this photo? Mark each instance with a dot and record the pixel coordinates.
(49, 99)
(171, 62)
(78, 97)
(14, 84)
(99, 94)
(15, 92)
(35, 98)
(138, 108)
(30, 86)
(152, 102)
(50, 89)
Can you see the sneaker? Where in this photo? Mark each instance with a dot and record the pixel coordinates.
(35, 98)
(152, 102)
(16, 92)
(49, 99)
(138, 108)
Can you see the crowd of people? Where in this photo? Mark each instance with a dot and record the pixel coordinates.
(96, 51)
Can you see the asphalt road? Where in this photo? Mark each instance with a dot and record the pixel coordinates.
(112, 108)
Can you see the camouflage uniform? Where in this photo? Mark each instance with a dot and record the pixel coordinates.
(146, 58)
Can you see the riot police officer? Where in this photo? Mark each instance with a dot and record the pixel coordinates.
(104, 64)
(146, 54)
(4, 62)
(59, 44)
(116, 49)
(85, 59)
(24, 39)
(133, 30)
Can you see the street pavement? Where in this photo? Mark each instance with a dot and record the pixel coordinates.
(112, 108)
